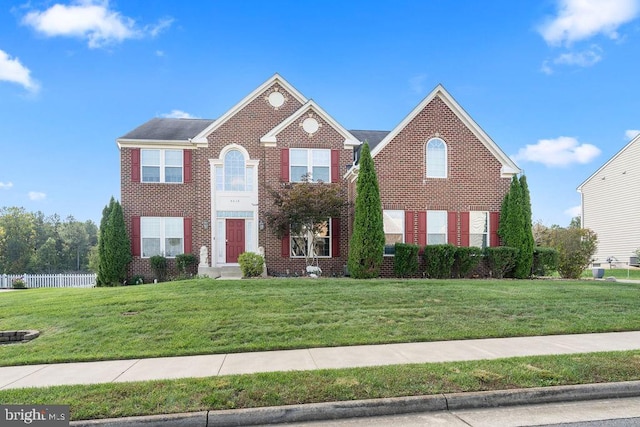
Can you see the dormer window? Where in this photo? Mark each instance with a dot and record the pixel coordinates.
(436, 158)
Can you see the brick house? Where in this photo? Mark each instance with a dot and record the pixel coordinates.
(193, 183)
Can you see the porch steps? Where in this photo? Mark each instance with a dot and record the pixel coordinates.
(230, 272)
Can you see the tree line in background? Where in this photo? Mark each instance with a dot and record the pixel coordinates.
(31, 242)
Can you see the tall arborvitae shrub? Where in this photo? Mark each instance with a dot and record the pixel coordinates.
(366, 248)
(513, 230)
(114, 246)
(525, 255)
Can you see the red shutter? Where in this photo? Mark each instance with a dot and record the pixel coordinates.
(188, 240)
(464, 228)
(422, 228)
(494, 222)
(284, 168)
(335, 165)
(186, 158)
(135, 165)
(335, 237)
(409, 234)
(286, 246)
(452, 228)
(135, 235)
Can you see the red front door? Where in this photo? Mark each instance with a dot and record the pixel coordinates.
(235, 239)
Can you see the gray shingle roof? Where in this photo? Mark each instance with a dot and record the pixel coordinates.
(165, 129)
(373, 137)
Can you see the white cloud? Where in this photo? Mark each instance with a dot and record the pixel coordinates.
(586, 58)
(36, 195)
(11, 70)
(92, 20)
(582, 19)
(179, 114)
(574, 211)
(561, 151)
(631, 133)
(6, 185)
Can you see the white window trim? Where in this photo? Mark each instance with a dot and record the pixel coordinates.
(426, 159)
(309, 246)
(248, 164)
(446, 225)
(486, 233)
(162, 166)
(163, 235)
(309, 163)
(403, 228)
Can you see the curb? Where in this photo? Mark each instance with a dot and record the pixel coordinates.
(376, 407)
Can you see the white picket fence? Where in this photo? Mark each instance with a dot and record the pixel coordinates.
(50, 280)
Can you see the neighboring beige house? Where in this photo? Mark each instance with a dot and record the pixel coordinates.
(610, 206)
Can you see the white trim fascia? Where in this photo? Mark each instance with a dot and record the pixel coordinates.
(270, 139)
(157, 143)
(201, 138)
(352, 173)
(457, 109)
(615, 156)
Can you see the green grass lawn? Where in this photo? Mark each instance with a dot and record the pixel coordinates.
(618, 273)
(206, 316)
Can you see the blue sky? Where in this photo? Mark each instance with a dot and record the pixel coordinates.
(553, 82)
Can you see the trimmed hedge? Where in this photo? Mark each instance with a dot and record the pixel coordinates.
(501, 260)
(465, 260)
(186, 263)
(439, 260)
(159, 266)
(405, 261)
(545, 260)
(251, 264)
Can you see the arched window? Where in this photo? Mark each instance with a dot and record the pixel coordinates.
(234, 171)
(436, 158)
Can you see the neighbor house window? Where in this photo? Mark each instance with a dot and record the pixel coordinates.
(479, 229)
(312, 163)
(161, 165)
(393, 230)
(162, 236)
(436, 158)
(302, 245)
(436, 227)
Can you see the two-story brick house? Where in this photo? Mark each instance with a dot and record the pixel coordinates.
(193, 183)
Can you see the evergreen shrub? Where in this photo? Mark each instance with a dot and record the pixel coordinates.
(545, 260)
(251, 264)
(465, 260)
(439, 260)
(405, 261)
(159, 266)
(501, 260)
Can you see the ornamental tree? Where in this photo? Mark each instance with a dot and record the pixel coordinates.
(114, 246)
(304, 209)
(366, 248)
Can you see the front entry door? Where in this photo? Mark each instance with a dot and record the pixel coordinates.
(235, 239)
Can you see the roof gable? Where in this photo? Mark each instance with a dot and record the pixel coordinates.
(634, 141)
(509, 167)
(201, 138)
(271, 138)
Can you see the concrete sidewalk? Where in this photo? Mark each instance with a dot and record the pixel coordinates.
(310, 359)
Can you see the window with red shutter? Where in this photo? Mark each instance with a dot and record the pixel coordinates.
(135, 165)
(186, 158)
(335, 165)
(335, 237)
(284, 167)
(135, 236)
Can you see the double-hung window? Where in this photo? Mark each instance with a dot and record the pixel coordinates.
(393, 230)
(162, 236)
(234, 174)
(162, 165)
(436, 161)
(436, 227)
(479, 229)
(304, 245)
(312, 164)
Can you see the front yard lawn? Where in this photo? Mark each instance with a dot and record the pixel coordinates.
(212, 316)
